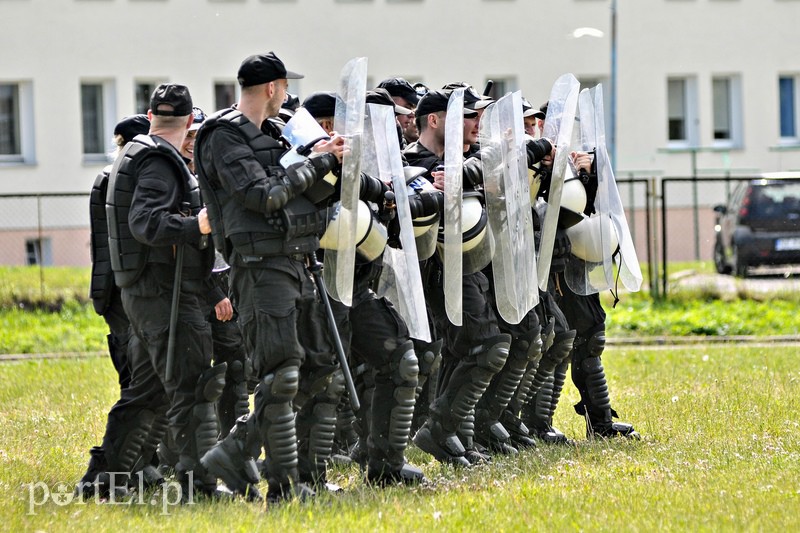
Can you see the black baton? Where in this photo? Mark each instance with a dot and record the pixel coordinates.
(315, 267)
(173, 312)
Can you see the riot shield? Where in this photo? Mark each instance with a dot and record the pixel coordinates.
(505, 180)
(453, 189)
(600, 237)
(558, 127)
(339, 263)
(402, 283)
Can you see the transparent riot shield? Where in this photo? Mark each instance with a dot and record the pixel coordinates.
(507, 194)
(339, 264)
(630, 272)
(453, 189)
(402, 284)
(558, 126)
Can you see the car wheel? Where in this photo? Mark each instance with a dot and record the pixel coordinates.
(719, 259)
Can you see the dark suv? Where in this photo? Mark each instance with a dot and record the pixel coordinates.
(760, 225)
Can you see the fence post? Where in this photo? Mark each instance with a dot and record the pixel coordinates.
(40, 247)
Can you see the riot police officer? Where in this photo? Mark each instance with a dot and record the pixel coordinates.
(266, 228)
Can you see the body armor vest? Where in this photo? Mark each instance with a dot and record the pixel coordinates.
(294, 229)
(101, 285)
(129, 256)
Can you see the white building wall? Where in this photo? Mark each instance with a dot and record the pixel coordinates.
(56, 44)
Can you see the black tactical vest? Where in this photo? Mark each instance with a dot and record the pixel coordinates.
(253, 233)
(128, 256)
(101, 285)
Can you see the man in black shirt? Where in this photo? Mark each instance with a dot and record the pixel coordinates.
(266, 227)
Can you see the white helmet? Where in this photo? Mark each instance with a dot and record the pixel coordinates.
(371, 235)
(477, 243)
(586, 239)
(573, 202)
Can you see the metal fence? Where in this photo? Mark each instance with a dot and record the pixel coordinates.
(670, 218)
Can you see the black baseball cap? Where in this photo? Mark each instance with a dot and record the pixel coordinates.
(436, 100)
(321, 104)
(472, 99)
(130, 127)
(175, 96)
(401, 88)
(263, 68)
(382, 97)
(199, 118)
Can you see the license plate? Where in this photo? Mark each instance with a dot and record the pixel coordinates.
(787, 244)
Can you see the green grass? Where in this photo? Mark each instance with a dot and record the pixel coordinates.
(56, 316)
(719, 452)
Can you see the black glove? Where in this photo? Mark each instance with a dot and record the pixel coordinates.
(536, 150)
(589, 181)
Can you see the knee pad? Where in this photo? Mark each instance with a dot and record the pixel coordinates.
(596, 344)
(404, 365)
(494, 353)
(211, 383)
(561, 348)
(235, 373)
(429, 356)
(282, 384)
(527, 346)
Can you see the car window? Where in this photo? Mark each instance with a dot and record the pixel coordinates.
(775, 199)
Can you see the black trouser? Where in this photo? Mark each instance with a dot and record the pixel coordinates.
(119, 335)
(285, 331)
(147, 303)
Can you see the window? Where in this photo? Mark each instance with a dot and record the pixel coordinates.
(16, 123)
(97, 113)
(682, 112)
(500, 87)
(726, 98)
(38, 252)
(9, 120)
(224, 95)
(787, 93)
(142, 93)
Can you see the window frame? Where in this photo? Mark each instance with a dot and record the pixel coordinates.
(25, 133)
(108, 110)
(690, 113)
(734, 110)
(792, 140)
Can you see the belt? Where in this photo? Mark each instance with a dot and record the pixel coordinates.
(254, 260)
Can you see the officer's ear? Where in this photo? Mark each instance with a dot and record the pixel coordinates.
(189, 121)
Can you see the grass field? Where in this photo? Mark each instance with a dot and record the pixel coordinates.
(720, 452)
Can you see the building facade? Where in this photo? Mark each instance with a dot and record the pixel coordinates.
(703, 87)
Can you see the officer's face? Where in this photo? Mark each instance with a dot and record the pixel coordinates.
(530, 126)
(187, 148)
(278, 96)
(471, 128)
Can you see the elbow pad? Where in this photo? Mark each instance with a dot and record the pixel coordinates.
(372, 189)
(473, 171)
(536, 150)
(324, 165)
(425, 204)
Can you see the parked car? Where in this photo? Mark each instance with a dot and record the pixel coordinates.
(760, 225)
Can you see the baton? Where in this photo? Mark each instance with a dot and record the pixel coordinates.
(488, 88)
(315, 267)
(173, 312)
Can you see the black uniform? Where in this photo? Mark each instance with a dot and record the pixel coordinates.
(473, 352)
(150, 202)
(266, 228)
